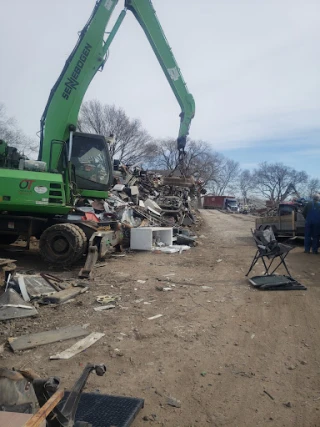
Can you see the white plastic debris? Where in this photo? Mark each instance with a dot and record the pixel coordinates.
(118, 187)
(155, 317)
(153, 206)
(171, 249)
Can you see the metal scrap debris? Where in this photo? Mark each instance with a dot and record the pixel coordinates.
(105, 299)
(12, 306)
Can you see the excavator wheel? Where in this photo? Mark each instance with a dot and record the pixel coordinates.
(62, 244)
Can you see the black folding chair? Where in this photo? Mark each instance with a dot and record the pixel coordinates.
(269, 248)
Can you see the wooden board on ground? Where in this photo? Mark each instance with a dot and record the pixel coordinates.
(34, 340)
(62, 296)
(79, 346)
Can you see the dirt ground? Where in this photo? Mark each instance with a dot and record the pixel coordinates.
(232, 355)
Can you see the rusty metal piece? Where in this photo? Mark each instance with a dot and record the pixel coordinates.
(101, 243)
(179, 181)
(92, 258)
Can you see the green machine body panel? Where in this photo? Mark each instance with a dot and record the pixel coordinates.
(32, 192)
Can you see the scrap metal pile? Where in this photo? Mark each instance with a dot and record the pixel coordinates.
(146, 198)
(273, 210)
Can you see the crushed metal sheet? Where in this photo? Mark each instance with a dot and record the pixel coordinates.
(36, 285)
(12, 306)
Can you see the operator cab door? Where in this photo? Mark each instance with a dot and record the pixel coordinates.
(91, 162)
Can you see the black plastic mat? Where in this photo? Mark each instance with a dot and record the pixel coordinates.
(102, 410)
(273, 282)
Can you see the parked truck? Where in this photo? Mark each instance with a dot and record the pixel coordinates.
(289, 221)
(220, 202)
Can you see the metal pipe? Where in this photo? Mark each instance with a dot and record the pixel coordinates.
(70, 145)
(114, 31)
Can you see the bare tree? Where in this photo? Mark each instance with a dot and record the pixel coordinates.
(309, 188)
(246, 184)
(313, 186)
(13, 135)
(226, 176)
(272, 179)
(200, 160)
(166, 157)
(132, 143)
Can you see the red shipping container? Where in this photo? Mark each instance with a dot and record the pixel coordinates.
(216, 202)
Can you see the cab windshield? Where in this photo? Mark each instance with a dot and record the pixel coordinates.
(91, 161)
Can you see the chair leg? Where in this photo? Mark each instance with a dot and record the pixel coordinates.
(285, 265)
(255, 259)
(267, 268)
(282, 257)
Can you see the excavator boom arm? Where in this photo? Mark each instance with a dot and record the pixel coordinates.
(88, 56)
(65, 98)
(146, 16)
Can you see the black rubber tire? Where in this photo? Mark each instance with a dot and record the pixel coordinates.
(7, 239)
(62, 244)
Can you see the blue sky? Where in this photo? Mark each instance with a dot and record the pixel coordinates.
(300, 151)
(252, 66)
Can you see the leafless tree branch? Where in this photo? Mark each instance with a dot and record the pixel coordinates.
(132, 142)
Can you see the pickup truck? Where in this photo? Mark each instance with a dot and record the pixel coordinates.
(288, 221)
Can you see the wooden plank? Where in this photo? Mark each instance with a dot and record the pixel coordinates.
(78, 347)
(5, 261)
(34, 340)
(63, 296)
(44, 411)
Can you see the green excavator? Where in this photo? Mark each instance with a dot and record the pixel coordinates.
(39, 197)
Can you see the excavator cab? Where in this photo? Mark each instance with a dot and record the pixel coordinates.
(91, 163)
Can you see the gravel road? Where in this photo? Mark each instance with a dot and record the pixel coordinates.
(231, 355)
